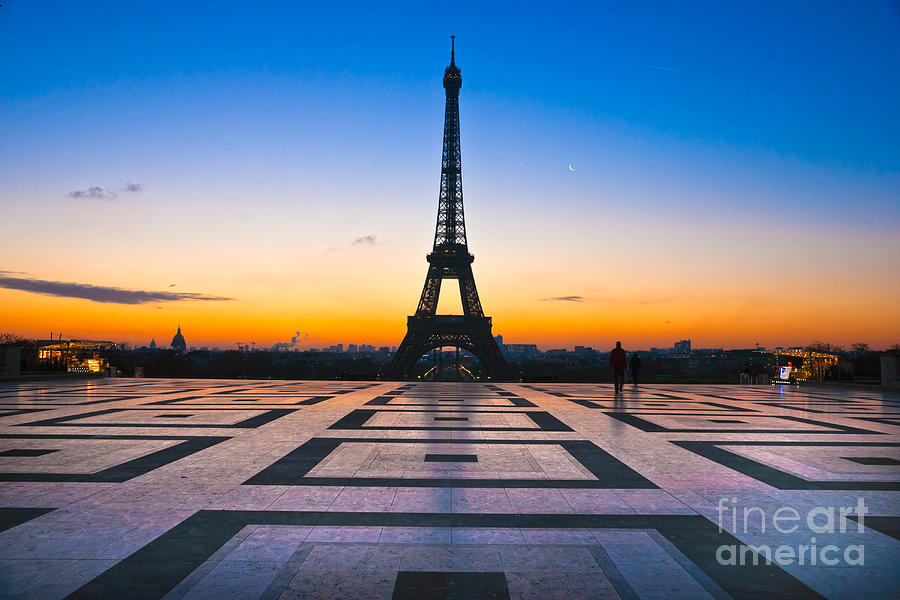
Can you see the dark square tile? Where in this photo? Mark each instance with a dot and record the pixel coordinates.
(725, 421)
(24, 452)
(872, 460)
(451, 458)
(717, 451)
(416, 585)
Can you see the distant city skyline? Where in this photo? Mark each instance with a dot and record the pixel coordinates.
(677, 346)
(631, 172)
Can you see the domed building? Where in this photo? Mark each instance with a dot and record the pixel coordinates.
(153, 344)
(178, 342)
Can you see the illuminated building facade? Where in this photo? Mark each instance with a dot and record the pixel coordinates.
(75, 356)
(805, 364)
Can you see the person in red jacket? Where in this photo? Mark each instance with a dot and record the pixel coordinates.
(618, 362)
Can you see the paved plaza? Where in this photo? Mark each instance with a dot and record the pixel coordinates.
(161, 488)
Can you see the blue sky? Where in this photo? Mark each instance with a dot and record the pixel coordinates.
(300, 127)
(813, 83)
(818, 80)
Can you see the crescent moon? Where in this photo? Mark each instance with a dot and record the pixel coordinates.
(570, 168)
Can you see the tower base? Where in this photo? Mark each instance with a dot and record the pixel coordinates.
(423, 334)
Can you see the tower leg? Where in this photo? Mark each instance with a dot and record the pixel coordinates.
(433, 334)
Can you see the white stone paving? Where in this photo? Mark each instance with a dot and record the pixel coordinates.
(447, 478)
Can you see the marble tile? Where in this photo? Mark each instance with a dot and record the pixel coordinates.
(484, 535)
(422, 500)
(101, 501)
(548, 559)
(344, 534)
(541, 585)
(306, 498)
(415, 535)
(364, 499)
(480, 500)
(538, 501)
(559, 536)
(451, 558)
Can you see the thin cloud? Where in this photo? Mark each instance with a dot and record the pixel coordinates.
(366, 240)
(565, 299)
(93, 193)
(98, 293)
(655, 67)
(100, 193)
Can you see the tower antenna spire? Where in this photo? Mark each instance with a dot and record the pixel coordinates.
(452, 49)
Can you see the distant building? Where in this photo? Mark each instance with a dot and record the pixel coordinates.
(178, 342)
(153, 344)
(517, 352)
(682, 347)
(352, 348)
(804, 363)
(75, 356)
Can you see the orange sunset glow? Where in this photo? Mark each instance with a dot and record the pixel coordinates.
(345, 295)
(249, 195)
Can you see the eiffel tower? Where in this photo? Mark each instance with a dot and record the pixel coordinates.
(449, 259)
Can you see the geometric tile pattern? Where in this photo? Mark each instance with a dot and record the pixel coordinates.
(327, 489)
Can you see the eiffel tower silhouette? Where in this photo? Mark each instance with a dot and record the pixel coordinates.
(449, 259)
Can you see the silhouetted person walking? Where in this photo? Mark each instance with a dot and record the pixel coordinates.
(635, 365)
(618, 362)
